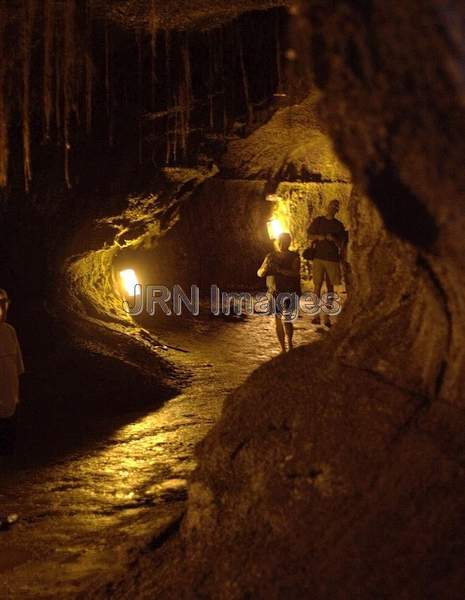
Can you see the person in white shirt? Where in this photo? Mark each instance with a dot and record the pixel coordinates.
(283, 267)
(11, 367)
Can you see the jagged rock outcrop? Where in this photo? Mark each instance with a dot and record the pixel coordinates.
(183, 14)
(291, 146)
(393, 86)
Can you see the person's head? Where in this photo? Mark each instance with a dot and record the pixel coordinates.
(4, 303)
(284, 241)
(333, 208)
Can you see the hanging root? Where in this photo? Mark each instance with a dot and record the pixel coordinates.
(88, 68)
(47, 81)
(4, 145)
(245, 80)
(26, 43)
(153, 52)
(108, 100)
(186, 94)
(69, 78)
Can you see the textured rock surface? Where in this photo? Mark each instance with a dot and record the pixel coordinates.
(394, 87)
(180, 14)
(293, 145)
(220, 238)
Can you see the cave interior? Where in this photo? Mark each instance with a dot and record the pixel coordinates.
(172, 141)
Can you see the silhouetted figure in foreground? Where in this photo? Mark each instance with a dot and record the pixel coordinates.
(282, 270)
(11, 367)
(330, 239)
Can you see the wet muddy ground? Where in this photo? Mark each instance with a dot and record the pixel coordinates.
(84, 515)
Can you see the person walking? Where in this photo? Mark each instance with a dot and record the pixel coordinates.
(329, 239)
(282, 271)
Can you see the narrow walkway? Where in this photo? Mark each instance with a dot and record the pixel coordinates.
(82, 517)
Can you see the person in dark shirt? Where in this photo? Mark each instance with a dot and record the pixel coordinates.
(330, 238)
(282, 270)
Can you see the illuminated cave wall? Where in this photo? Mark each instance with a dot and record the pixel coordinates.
(92, 289)
(220, 238)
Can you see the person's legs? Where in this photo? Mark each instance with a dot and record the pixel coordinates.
(289, 329)
(318, 274)
(333, 277)
(329, 291)
(280, 332)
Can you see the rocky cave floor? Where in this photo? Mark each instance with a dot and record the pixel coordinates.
(84, 516)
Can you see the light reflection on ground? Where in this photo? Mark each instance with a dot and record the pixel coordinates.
(81, 517)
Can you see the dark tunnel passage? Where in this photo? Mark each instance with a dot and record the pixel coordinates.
(171, 144)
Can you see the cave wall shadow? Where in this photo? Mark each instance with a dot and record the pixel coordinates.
(73, 396)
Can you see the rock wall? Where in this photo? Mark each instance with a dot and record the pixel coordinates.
(220, 238)
(156, 15)
(292, 146)
(393, 86)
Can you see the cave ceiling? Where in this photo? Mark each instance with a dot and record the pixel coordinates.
(177, 14)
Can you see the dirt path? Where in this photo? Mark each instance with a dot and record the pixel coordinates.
(83, 517)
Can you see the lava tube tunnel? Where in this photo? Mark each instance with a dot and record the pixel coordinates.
(232, 302)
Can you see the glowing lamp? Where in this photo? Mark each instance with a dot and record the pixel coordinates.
(275, 229)
(129, 282)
